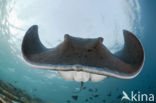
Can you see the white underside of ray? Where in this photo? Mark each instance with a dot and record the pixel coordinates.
(80, 76)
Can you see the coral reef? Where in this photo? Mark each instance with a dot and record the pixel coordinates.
(11, 94)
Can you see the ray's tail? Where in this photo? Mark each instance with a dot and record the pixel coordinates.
(81, 86)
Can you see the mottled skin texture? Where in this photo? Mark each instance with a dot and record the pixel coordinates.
(87, 52)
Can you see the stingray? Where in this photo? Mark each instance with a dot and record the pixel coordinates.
(83, 59)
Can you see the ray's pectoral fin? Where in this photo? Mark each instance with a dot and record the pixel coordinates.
(132, 55)
(31, 44)
(36, 54)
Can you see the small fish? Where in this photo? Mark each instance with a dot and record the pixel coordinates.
(86, 100)
(119, 96)
(96, 95)
(90, 90)
(103, 100)
(84, 87)
(75, 97)
(91, 98)
(109, 94)
(68, 101)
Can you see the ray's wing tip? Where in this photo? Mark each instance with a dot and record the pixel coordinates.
(34, 26)
(31, 42)
(128, 34)
(124, 30)
(33, 30)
